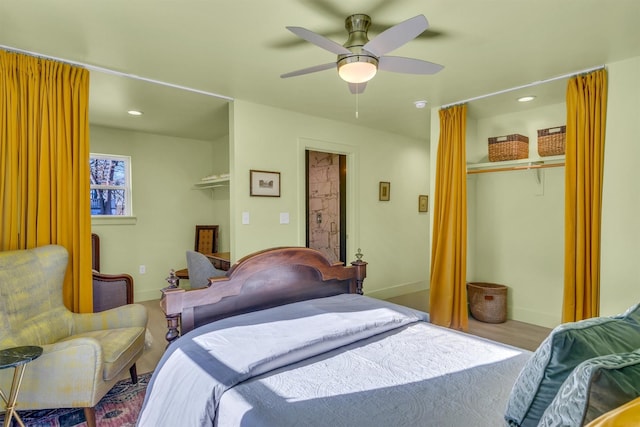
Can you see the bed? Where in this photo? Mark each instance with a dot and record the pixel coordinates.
(288, 339)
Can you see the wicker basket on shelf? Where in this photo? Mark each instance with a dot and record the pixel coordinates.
(508, 147)
(551, 141)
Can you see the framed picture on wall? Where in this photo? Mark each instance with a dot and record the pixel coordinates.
(264, 183)
(384, 191)
(423, 203)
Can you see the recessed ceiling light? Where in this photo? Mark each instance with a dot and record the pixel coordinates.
(420, 104)
(134, 112)
(526, 98)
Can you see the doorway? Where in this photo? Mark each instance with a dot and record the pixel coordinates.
(326, 207)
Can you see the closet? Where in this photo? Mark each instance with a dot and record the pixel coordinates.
(516, 208)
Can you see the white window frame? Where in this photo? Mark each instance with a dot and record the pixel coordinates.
(127, 188)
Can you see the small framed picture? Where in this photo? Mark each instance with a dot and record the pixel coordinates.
(423, 203)
(384, 191)
(264, 183)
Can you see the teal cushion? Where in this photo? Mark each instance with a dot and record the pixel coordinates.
(595, 387)
(566, 347)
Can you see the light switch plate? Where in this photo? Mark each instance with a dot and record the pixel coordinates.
(284, 217)
(245, 218)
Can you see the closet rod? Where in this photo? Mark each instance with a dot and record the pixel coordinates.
(117, 73)
(515, 168)
(564, 76)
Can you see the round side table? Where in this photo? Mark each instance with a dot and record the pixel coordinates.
(16, 358)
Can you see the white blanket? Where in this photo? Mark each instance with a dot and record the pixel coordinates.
(415, 376)
(199, 367)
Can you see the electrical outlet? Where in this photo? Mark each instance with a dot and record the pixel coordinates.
(142, 269)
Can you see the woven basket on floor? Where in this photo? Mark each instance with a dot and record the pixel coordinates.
(551, 141)
(487, 301)
(508, 147)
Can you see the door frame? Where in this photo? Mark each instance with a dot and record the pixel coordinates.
(351, 154)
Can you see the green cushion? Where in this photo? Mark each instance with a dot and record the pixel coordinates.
(595, 387)
(566, 347)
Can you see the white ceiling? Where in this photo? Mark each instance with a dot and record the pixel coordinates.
(239, 48)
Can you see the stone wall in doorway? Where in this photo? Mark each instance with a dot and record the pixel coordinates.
(324, 204)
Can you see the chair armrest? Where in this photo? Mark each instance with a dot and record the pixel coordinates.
(127, 316)
(75, 353)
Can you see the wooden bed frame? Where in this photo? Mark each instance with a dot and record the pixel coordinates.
(264, 279)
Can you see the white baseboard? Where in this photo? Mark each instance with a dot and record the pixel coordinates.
(147, 295)
(525, 315)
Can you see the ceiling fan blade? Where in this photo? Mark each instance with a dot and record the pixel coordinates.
(327, 7)
(309, 70)
(287, 42)
(379, 27)
(319, 40)
(397, 35)
(357, 87)
(399, 64)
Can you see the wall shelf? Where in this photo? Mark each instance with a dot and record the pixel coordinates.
(212, 183)
(514, 165)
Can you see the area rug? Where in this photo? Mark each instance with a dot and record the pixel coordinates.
(118, 408)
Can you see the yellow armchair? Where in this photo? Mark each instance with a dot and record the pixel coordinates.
(83, 354)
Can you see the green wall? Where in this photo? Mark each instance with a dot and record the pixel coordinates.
(220, 195)
(516, 224)
(392, 235)
(166, 207)
(619, 275)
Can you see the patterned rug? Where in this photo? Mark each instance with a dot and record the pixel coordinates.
(118, 408)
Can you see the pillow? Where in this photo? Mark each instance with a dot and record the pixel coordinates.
(625, 415)
(595, 387)
(565, 348)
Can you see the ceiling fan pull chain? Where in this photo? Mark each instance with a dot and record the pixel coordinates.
(357, 104)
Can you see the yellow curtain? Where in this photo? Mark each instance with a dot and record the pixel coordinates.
(584, 159)
(448, 292)
(44, 164)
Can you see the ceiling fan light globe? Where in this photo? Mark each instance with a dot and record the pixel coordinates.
(360, 70)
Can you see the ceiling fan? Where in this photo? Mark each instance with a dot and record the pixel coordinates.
(360, 58)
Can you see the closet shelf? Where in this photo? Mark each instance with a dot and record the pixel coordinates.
(514, 165)
(212, 183)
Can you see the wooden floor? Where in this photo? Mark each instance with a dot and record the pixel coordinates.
(518, 334)
(157, 327)
(512, 332)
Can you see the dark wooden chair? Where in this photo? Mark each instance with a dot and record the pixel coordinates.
(206, 239)
(95, 252)
(109, 290)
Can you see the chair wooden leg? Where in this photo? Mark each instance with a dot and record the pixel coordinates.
(90, 415)
(134, 374)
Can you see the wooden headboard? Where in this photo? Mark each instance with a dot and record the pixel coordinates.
(268, 278)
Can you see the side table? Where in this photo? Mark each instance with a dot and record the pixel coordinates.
(16, 358)
(220, 260)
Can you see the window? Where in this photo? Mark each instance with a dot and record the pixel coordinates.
(110, 185)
